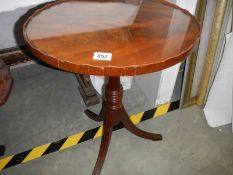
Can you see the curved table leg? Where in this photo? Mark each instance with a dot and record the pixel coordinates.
(133, 129)
(107, 132)
(94, 116)
(2, 150)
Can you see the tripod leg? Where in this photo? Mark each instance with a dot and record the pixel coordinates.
(133, 129)
(107, 132)
(94, 116)
(2, 150)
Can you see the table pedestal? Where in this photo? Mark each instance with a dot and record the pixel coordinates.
(112, 113)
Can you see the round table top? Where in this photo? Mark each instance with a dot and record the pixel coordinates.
(111, 38)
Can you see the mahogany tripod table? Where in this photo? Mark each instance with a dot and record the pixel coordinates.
(112, 39)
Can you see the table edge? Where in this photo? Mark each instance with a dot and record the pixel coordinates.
(108, 70)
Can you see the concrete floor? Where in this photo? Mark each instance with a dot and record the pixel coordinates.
(54, 110)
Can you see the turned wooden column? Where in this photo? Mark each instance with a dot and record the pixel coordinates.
(113, 98)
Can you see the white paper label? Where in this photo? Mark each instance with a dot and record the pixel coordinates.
(102, 56)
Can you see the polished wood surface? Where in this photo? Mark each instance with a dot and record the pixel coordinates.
(143, 35)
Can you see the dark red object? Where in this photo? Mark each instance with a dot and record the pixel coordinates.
(6, 83)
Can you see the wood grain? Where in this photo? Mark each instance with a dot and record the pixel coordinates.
(143, 36)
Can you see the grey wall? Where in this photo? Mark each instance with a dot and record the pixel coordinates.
(149, 85)
(9, 30)
(173, 1)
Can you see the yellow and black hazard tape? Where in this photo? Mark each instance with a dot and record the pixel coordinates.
(78, 138)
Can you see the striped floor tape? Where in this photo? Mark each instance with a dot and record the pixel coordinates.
(78, 138)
